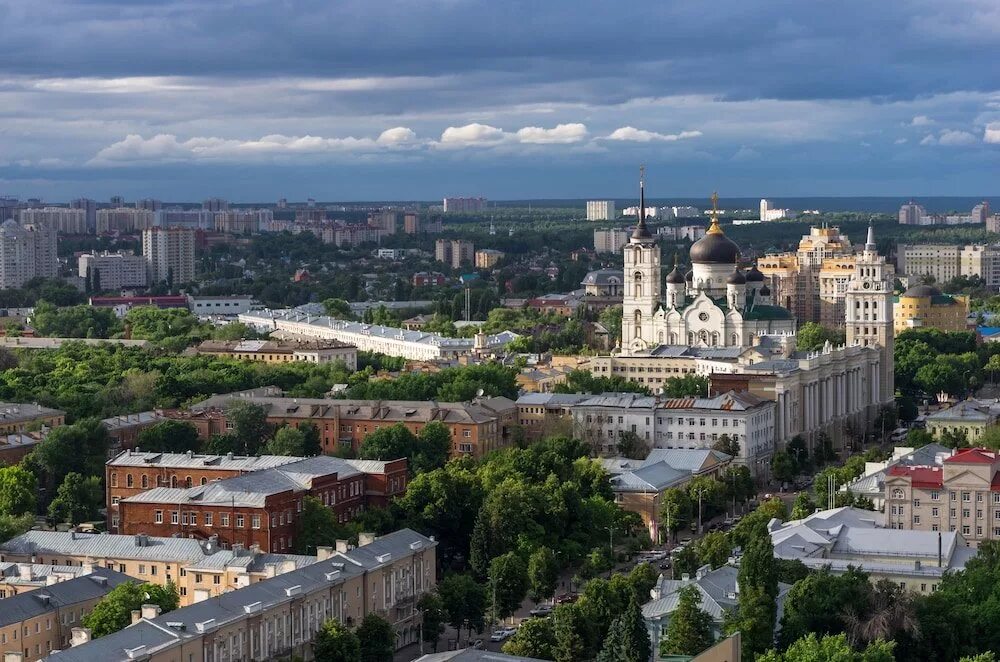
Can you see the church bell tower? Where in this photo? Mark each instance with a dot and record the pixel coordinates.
(642, 281)
(868, 303)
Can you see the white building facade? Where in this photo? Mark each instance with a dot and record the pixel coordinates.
(169, 254)
(27, 252)
(113, 271)
(600, 210)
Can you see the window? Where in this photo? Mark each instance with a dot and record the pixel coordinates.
(979, 530)
(144, 481)
(128, 480)
(965, 530)
(114, 483)
(979, 497)
(934, 527)
(224, 519)
(255, 521)
(934, 512)
(966, 496)
(897, 493)
(916, 519)
(951, 512)
(935, 496)
(467, 433)
(239, 521)
(916, 503)
(966, 513)
(194, 519)
(142, 569)
(208, 519)
(173, 517)
(953, 495)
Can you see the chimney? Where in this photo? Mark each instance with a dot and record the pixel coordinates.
(365, 538)
(344, 546)
(24, 571)
(150, 611)
(136, 616)
(79, 636)
(14, 657)
(88, 567)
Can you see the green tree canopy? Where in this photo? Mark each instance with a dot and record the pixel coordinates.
(169, 436)
(535, 638)
(628, 639)
(543, 574)
(18, 491)
(689, 631)
(78, 499)
(812, 336)
(377, 639)
(336, 643)
(431, 608)
(508, 581)
(113, 612)
(288, 441)
(831, 648)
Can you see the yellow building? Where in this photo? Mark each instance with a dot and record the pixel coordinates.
(925, 307)
(487, 258)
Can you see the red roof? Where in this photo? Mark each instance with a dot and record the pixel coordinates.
(919, 476)
(973, 456)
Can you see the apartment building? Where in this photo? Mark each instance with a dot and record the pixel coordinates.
(89, 208)
(278, 617)
(476, 427)
(27, 252)
(113, 271)
(40, 622)
(198, 568)
(253, 508)
(386, 221)
(970, 417)
(215, 204)
(283, 351)
(169, 254)
(600, 210)
(454, 252)
(243, 221)
(60, 219)
(938, 261)
(612, 240)
(926, 307)
(220, 306)
(463, 204)
(683, 423)
(844, 538)
(124, 429)
(18, 578)
(124, 220)
(961, 494)
(18, 417)
(429, 279)
(543, 415)
(411, 223)
(487, 258)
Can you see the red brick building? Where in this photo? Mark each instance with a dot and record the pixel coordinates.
(244, 500)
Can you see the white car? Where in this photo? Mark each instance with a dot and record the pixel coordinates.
(502, 634)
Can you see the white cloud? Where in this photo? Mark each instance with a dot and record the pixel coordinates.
(632, 134)
(929, 139)
(921, 120)
(992, 133)
(399, 135)
(745, 153)
(562, 133)
(901, 141)
(952, 138)
(472, 134)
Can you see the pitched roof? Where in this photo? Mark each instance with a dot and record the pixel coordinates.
(919, 476)
(973, 456)
(61, 594)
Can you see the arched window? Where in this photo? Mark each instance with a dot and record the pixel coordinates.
(715, 339)
(128, 480)
(637, 279)
(690, 337)
(203, 480)
(638, 324)
(187, 481)
(735, 340)
(144, 481)
(673, 338)
(897, 493)
(173, 481)
(660, 338)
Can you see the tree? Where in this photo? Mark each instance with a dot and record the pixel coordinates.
(803, 506)
(82, 446)
(611, 319)
(685, 386)
(444, 503)
(11, 526)
(336, 643)
(337, 308)
(675, 510)
(631, 446)
(78, 499)
(812, 336)
(317, 526)
(432, 448)
(543, 574)
(713, 549)
(568, 626)
(690, 629)
(508, 581)
(628, 639)
(250, 426)
(758, 581)
(535, 638)
(113, 612)
(818, 603)
(288, 441)
(727, 445)
(18, 491)
(431, 607)
(388, 443)
(169, 436)
(685, 562)
(377, 639)
(783, 467)
(888, 613)
(988, 656)
(831, 648)
(464, 601)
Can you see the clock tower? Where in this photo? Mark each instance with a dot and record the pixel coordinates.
(868, 303)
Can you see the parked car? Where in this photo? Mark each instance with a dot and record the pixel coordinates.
(500, 635)
(541, 611)
(478, 645)
(566, 598)
(665, 565)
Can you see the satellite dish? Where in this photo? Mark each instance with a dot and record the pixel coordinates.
(479, 393)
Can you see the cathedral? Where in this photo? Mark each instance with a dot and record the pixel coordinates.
(716, 304)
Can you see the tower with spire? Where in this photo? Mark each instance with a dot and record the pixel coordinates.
(642, 280)
(868, 304)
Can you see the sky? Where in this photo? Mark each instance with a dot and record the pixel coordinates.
(253, 100)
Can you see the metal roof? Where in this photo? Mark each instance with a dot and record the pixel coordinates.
(61, 594)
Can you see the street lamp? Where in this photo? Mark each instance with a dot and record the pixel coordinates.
(701, 492)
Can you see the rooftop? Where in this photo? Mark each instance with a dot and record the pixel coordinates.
(61, 594)
(15, 412)
(138, 458)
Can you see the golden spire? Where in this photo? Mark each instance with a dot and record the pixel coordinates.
(714, 227)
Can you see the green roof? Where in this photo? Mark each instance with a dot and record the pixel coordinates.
(761, 312)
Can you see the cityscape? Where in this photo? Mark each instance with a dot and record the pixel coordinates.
(393, 332)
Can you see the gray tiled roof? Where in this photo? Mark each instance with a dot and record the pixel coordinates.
(552, 399)
(61, 594)
(656, 477)
(139, 458)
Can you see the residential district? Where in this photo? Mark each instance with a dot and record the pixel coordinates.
(473, 431)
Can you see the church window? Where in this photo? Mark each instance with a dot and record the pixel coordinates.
(673, 338)
(660, 337)
(638, 323)
(735, 340)
(638, 283)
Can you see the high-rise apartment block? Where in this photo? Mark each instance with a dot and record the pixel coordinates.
(215, 204)
(194, 219)
(124, 220)
(464, 204)
(149, 203)
(113, 271)
(411, 222)
(243, 221)
(90, 209)
(487, 258)
(61, 219)
(8, 208)
(454, 252)
(27, 252)
(385, 221)
(169, 254)
(612, 240)
(911, 214)
(600, 210)
(981, 212)
(770, 213)
(944, 262)
(116, 201)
